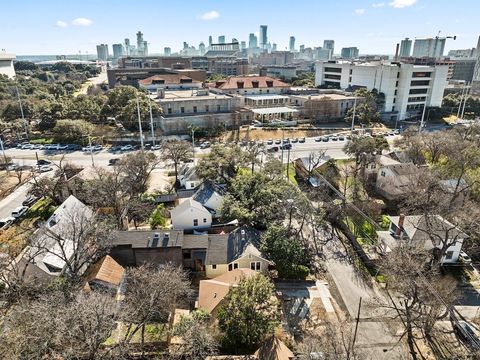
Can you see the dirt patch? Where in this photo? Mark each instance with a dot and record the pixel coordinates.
(8, 183)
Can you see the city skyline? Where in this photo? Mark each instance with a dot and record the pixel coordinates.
(81, 25)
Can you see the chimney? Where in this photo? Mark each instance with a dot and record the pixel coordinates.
(396, 52)
(401, 220)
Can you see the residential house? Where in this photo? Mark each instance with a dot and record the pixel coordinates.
(54, 243)
(105, 274)
(396, 180)
(190, 215)
(210, 195)
(187, 176)
(274, 349)
(213, 291)
(307, 168)
(136, 247)
(427, 231)
(240, 249)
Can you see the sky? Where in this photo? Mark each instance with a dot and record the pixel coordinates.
(54, 27)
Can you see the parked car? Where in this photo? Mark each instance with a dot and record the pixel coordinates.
(37, 146)
(301, 140)
(19, 211)
(126, 148)
(43, 162)
(341, 138)
(6, 222)
(318, 139)
(29, 201)
(45, 168)
(97, 147)
(463, 257)
(278, 141)
(113, 161)
(155, 147)
(269, 142)
(325, 139)
(467, 334)
(286, 146)
(27, 146)
(272, 149)
(334, 138)
(205, 145)
(74, 147)
(295, 140)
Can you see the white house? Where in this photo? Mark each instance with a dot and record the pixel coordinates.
(54, 243)
(428, 231)
(190, 215)
(210, 195)
(396, 179)
(187, 176)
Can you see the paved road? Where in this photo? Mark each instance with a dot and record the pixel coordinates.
(15, 199)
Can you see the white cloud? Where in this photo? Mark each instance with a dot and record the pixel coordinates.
(210, 15)
(378, 5)
(400, 4)
(61, 24)
(82, 22)
(359, 11)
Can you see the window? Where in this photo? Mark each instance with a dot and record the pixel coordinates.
(194, 109)
(268, 90)
(395, 92)
(182, 109)
(335, 70)
(206, 108)
(195, 222)
(421, 74)
(192, 185)
(333, 77)
(187, 255)
(448, 255)
(218, 107)
(398, 75)
(418, 91)
(214, 266)
(230, 267)
(235, 266)
(169, 110)
(393, 107)
(255, 265)
(396, 83)
(204, 220)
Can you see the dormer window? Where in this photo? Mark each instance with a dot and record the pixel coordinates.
(269, 83)
(240, 84)
(255, 84)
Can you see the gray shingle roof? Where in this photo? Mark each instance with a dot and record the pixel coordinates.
(223, 249)
(206, 190)
(149, 239)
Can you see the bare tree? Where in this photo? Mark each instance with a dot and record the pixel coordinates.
(55, 326)
(417, 295)
(136, 170)
(177, 152)
(151, 295)
(76, 240)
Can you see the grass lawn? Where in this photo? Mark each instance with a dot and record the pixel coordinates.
(153, 333)
(291, 173)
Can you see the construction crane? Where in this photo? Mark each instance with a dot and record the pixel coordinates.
(454, 37)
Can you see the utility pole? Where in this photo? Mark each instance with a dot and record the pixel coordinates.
(193, 144)
(281, 145)
(464, 102)
(4, 155)
(151, 122)
(353, 114)
(91, 149)
(423, 116)
(139, 124)
(288, 164)
(356, 323)
(461, 99)
(21, 111)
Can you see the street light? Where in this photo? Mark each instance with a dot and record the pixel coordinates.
(151, 121)
(139, 123)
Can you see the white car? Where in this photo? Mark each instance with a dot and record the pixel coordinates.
(45, 168)
(205, 145)
(155, 147)
(463, 257)
(126, 148)
(27, 146)
(19, 211)
(5, 223)
(97, 147)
